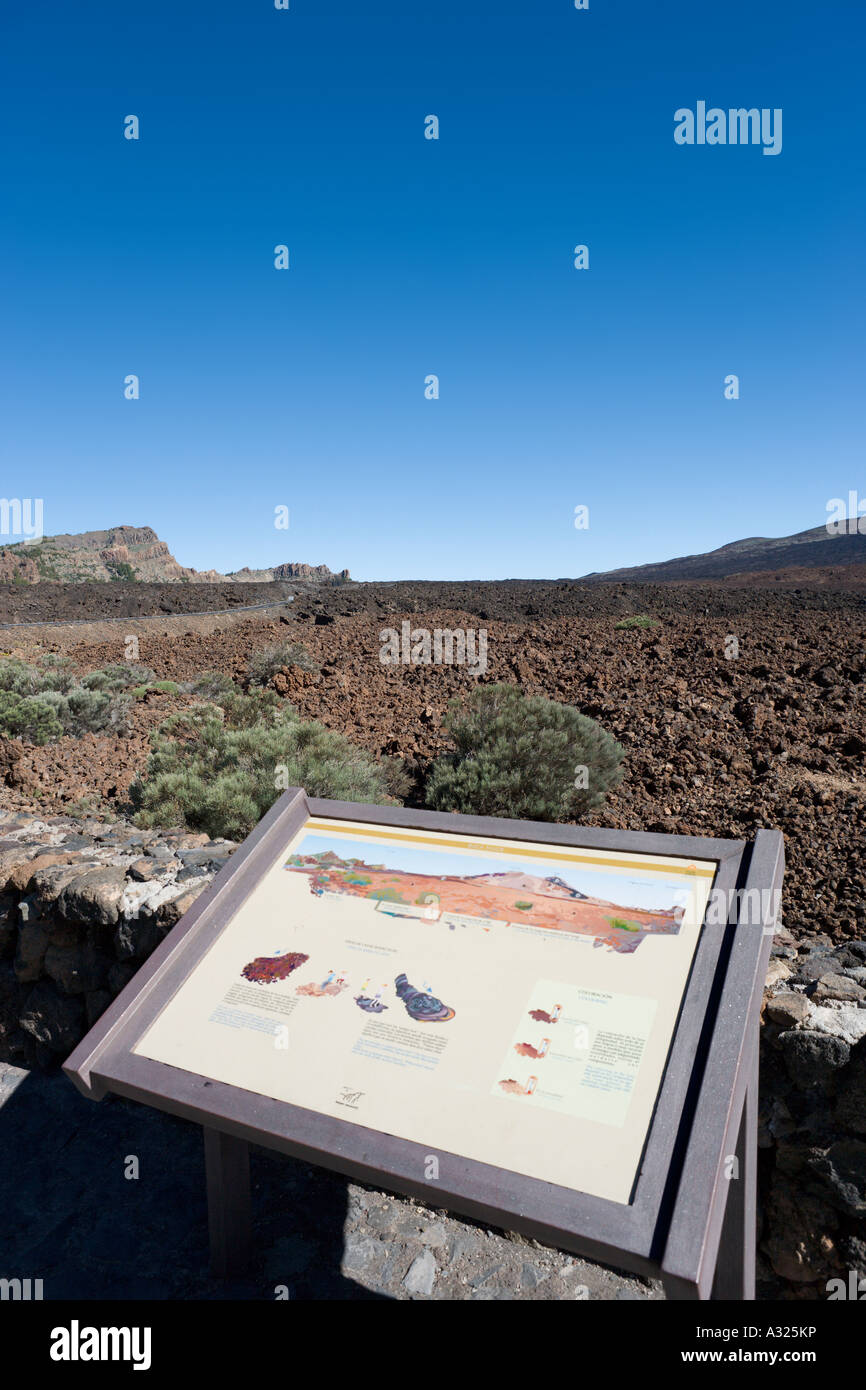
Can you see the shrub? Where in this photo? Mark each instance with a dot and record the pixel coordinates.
(121, 570)
(28, 717)
(120, 676)
(43, 701)
(640, 620)
(516, 755)
(265, 664)
(215, 767)
(88, 711)
(164, 688)
(211, 685)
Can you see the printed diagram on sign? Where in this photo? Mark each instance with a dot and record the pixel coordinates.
(410, 884)
(590, 1065)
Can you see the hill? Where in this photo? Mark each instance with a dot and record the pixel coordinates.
(758, 555)
(129, 553)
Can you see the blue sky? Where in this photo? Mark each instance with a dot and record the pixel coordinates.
(305, 388)
(616, 887)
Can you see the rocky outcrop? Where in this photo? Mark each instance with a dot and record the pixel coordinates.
(812, 1135)
(308, 574)
(82, 905)
(121, 553)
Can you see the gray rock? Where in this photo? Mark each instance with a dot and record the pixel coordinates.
(421, 1275)
(837, 987)
(788, 1008)
(94, 896)
(845, 1021)
(842, 1170)
(136, 938)
(55, 1020)
(76, 969)
(48, 884)
(811, 1057)
(142, 870)
(33, 939)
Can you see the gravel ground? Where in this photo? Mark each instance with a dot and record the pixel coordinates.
(72, 1219)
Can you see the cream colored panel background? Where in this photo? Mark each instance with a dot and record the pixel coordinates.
(438, 1083)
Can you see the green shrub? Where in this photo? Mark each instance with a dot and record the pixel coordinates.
(44, 700)
(81, 710)
(28, 717)
(265, 664)
(211, 685)
(164, 687)
(120, 676)
(639, 620)
(219, 768)
(121, 570)
(517, 756)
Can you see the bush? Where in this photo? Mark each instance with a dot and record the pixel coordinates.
(163, 687)
(517, 756)
(265, 664)
(211, 685)
(637, 620)
(44, 701)
(28, 717)
(215, 767)
(120, 676)
(88, 711)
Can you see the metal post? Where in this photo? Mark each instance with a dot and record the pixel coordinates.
(227, 1169)
(735, 1264)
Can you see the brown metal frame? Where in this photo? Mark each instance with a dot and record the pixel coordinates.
(673, 1224)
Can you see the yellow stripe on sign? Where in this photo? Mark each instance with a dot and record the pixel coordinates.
(704, 868)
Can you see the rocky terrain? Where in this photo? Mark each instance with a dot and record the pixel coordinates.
(51, 602)
(774, 736)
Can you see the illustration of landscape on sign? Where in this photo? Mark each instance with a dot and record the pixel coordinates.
(615, 909)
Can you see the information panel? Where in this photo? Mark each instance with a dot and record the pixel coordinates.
(506, 1001)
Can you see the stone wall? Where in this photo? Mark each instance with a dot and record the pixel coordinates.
(812, 1136)
(83, 903)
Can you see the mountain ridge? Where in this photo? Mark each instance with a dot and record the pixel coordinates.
(816, 548)
(130, 553)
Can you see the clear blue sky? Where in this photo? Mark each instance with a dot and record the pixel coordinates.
(409, 257)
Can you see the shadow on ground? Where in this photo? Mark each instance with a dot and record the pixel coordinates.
(71, 1218)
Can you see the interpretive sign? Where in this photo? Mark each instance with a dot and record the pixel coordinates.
(534, 1007)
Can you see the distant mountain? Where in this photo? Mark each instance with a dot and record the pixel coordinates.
(552, 886)
(129, 553)
(806, 550)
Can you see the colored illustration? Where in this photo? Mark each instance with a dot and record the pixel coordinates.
(421, 1006)
(541, 1016)
(266, 970)
(370, 999)
(513, 894)
(527, 1050)
(517, 1088)
(370, 1005)
(332, 985)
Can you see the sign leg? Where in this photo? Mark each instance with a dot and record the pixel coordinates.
(227, 1169)
(735, 1267)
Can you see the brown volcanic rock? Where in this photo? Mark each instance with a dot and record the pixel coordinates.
(713, 746)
